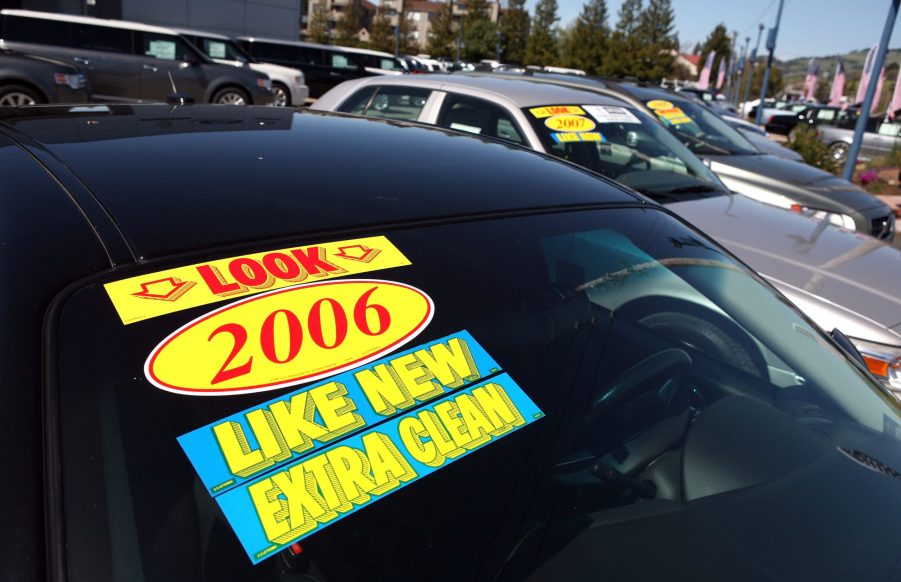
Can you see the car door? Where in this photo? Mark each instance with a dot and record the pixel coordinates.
(164, 60)
(884, 140)
(343, 66)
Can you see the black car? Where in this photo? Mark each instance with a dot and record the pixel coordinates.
(228, 359)
(132, 62)
(29, 79)
(812, 116)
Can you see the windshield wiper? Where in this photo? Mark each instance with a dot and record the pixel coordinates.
(707, 144)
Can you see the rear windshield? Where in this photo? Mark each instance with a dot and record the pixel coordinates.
(456, 402)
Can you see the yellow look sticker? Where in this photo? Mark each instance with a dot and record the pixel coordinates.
(164, 292)
(542, 112)
(659, 104)
(573, 123)
(288, 336)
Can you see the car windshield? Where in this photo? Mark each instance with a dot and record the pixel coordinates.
(616, 376)
(216, 48)
(699, 128)
(624, 145)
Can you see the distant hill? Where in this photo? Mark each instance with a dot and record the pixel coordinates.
(794, 70)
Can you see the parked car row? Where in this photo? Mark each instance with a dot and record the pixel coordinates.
(649, 139)
(126, 62)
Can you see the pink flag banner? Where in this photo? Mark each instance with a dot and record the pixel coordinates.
(895, 104)
(877, 97)
(810, 81)
(865, 76)
(721, 76)
(838, 85)
(704, 79)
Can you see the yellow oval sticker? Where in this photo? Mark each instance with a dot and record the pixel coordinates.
(288, 336)
(659, 104)
(569, 123)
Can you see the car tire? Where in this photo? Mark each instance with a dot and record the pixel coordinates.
(230, 96)
(14, 95)
(281, 97)
(839, 151)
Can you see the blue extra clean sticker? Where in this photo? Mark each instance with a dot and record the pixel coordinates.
(303, 497)
(247, 444)
(574, 137)
(290, 466)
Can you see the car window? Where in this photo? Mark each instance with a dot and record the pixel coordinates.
(342, 61)
(699, 128)
(283, 53)
(826, 114)
(538, 394)
(38, 30)
(105, 38)
(479, 117)
(219, 49)
(164, 47)
(889, 129)
(626, 146)
(387, 102)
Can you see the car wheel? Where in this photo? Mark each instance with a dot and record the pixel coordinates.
(839, 151)
(280, 95)
(14, 95)
(230, 96)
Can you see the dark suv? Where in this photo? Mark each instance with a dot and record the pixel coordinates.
(28, 79)
(129, 62)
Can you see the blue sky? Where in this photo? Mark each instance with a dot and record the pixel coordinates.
(809, 27)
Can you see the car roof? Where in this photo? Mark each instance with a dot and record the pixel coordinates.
(332, 47)
(178, 179)
(520, 90)
(88, 20)
(205, 33)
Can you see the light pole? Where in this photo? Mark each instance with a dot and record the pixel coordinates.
(771, 46)
(751, 69)
(871, 90)
(740, 70)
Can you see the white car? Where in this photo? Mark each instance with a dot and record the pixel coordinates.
(289, 88)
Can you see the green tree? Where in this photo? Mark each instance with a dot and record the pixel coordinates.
(443, 33)
(622, 48)
(515, 32)
(349, 25)
(774, 87)
(317, 30)
(586, 43)
(542, 48)
(657, 41)
(479, 33)
(718, 40)
(381, 34)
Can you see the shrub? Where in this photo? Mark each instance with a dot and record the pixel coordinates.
(804, 140)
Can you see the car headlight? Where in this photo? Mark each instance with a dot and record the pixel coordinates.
(299, 79)
(74, 81)
(835, 218)
(883, 361)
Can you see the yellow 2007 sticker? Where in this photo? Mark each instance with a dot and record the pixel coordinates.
(155, 294)
(288, 336)
(660, 104)
(570, 123)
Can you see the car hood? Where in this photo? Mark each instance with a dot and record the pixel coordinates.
(849, 280)
(768, 146)
(771, 171)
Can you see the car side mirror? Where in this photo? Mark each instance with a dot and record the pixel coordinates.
(846, 344)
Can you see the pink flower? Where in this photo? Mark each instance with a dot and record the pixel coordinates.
(868, 177)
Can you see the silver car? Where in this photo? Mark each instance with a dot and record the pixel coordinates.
(743, 168)
(840, 278)
(879, 139)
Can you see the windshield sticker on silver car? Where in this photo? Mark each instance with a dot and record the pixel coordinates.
(569, 123)
(611, 114)
(287, 468)
(542, 112)
(164, 292)
(574, 137)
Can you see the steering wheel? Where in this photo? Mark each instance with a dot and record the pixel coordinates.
(644, 376)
